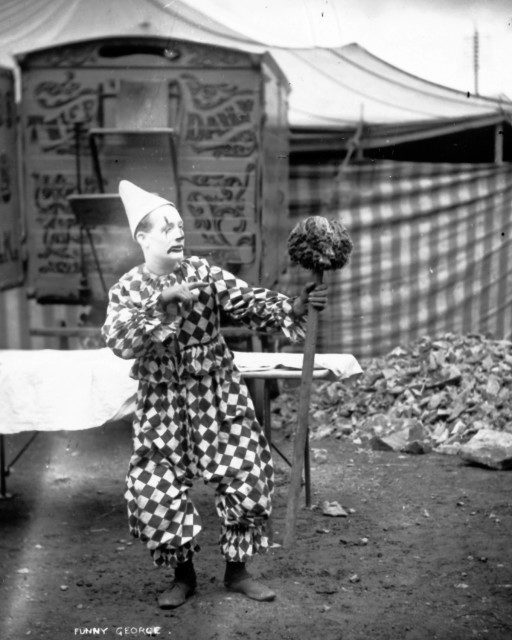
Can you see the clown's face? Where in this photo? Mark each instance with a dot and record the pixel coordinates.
(164, 242)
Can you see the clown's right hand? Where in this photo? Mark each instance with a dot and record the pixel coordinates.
(184, 294)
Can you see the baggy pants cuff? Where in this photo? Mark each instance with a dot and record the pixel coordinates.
(238, 543)
(172, 556)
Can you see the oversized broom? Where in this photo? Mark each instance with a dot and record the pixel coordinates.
(318, 245)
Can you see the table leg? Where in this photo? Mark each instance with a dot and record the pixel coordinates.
(5, 469)
(4, 472)
(267, 427)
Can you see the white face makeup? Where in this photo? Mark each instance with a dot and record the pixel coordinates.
(163, 244)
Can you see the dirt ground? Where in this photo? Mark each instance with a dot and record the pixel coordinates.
(425, 552)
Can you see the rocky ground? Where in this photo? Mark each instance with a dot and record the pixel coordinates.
(424, 552)
(434, 394)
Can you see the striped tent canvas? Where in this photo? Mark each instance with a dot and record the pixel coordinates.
(432, 247)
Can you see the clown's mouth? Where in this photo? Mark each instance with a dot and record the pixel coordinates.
(177, 248)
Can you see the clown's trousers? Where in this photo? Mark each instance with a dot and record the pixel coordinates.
(198, 427)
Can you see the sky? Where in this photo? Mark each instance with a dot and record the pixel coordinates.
(432, 39)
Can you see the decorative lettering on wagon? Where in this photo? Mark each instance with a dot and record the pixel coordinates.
(207, 96)
(8, 250)
(225, 133)
(59, 240)
(239, 145)
(62, 105)
(201, 127)
(218, 206)
(220, 120)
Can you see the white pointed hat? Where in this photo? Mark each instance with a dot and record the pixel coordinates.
(138, 203)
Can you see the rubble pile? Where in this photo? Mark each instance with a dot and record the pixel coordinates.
(434, 393)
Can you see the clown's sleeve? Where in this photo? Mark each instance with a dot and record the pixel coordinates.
(260, 309)
(135, 321)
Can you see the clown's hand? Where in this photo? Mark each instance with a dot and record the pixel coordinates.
(183, 294)
(312, 293)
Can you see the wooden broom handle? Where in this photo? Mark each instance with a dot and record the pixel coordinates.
(303, 420)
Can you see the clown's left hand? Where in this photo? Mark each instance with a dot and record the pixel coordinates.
(312, 293)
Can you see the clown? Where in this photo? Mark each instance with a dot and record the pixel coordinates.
(194, 417)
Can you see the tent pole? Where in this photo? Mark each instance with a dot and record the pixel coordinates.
(498, 143)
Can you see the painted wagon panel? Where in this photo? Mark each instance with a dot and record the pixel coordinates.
(231, 153)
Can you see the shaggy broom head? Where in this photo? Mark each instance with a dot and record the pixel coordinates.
(319, 244)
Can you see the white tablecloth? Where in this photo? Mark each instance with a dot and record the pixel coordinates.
(50, 390)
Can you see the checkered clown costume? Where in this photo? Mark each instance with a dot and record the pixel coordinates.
(194, 417)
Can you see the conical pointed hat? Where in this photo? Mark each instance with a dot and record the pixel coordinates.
(138, 203)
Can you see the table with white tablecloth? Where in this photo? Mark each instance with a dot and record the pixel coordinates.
(52, 390)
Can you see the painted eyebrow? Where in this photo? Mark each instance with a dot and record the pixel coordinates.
(168, 223)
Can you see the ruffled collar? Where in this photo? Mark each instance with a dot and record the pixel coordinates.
(177, 275)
